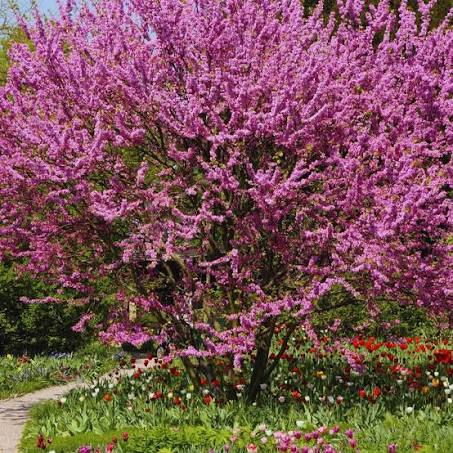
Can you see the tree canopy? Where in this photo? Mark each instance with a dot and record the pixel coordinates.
(226, 164)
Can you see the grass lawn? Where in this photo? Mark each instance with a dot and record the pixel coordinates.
(20, 375)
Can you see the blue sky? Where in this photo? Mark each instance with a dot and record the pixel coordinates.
(46, 6)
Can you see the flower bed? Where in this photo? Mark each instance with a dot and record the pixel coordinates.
(370, 396)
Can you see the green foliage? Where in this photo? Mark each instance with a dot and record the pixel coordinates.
(34, 328)
(392, 319)
(431, 431)
(24, 375)
(9, 35)
(157, 439)
(69, 444)
(179, 439)
(428, 431)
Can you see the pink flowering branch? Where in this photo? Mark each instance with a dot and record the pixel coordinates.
(224, 166)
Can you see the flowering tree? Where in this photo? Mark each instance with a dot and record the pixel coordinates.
(226, 164)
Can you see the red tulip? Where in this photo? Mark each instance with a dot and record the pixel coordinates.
(443, 356)
(296, 395)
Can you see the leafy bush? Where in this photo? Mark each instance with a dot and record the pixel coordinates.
(34, 328)
(182, 439)
(391, 318)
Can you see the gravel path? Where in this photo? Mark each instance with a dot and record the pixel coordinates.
(14, 412)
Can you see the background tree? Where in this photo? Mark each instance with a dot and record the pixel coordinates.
(34, 328)
(5, 28)
(243, 156)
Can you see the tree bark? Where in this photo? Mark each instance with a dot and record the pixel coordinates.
(261, 360)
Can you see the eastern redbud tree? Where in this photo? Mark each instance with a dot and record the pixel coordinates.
(225, 164)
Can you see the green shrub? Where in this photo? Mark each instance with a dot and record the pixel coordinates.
(24, 375)
(34, 328)
(393, 318)
(178, 439)
(160, 439)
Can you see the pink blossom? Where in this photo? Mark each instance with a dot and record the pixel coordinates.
(81, 324)
(193, 168)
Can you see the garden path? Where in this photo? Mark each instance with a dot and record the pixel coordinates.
(14, 411)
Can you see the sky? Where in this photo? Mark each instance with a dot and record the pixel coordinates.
(46, 6)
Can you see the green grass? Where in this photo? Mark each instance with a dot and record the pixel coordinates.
(155, 439)
(430, 431)
(69, 444)
(149, 439)
(426, 432)
(19, 377)
(25, 387)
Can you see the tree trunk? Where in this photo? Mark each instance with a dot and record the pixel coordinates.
(260, 364)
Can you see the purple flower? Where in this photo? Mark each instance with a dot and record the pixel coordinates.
(85, 449)
(335, 429)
